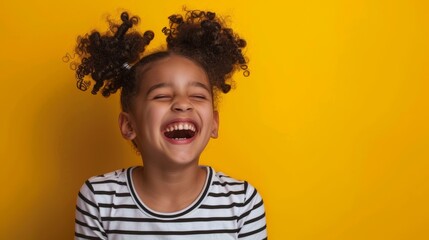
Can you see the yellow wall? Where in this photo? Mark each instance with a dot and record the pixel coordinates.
(331, 126)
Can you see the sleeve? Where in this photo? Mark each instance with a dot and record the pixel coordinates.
(88, 221)
(252, 221)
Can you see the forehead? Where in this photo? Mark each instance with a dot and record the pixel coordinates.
(174, 70)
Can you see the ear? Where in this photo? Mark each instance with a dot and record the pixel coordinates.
(126, 127)
(215, 128)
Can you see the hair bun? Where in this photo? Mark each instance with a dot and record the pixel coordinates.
(203, 37)
(103, 55)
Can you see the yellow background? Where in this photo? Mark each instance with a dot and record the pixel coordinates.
(331, 126)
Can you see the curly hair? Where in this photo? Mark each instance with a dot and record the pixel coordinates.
(198, 35)
(106, 57)
(202, 37)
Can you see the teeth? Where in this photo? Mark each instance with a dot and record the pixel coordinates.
(180, 126)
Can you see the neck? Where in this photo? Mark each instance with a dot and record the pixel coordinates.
(172, 180)
(169, 189)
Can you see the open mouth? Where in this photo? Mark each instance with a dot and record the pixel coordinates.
(180, 131)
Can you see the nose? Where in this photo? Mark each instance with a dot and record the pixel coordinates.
(181, 104)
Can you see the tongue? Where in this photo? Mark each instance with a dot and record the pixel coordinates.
(179, 134)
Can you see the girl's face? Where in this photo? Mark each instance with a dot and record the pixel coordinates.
(172, 117)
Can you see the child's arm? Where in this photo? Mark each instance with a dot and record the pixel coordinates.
(88, 222)
(252, 221)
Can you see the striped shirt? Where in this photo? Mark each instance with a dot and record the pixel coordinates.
(108, 207)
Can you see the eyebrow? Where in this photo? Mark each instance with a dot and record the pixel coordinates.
(202, 85)
(156, 86)
(162, 85)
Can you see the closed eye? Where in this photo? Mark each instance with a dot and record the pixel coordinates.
(162, 97)
(199, 96)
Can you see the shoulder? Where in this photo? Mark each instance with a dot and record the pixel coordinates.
(243, 191)
(223, 183)
(114, 175)
(222, 179)
(112, 183)
(95, 199)
(251, 211)
(225, 180)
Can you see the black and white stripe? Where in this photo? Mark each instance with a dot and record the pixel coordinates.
(109, 208)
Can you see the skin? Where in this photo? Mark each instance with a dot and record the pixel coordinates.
(171, 89)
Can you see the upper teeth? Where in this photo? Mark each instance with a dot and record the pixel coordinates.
(180, 126)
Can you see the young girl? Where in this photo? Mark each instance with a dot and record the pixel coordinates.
(168, 103)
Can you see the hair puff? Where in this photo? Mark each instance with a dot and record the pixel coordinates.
(202, 37)
(107, 57)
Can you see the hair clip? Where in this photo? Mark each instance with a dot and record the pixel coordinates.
(126, 66)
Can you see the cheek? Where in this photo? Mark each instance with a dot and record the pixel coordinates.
(208, 113)
(153, 115)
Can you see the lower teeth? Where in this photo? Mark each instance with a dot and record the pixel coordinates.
(178, 139)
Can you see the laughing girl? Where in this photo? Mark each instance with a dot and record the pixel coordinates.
(168, 101)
